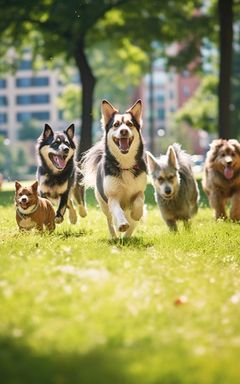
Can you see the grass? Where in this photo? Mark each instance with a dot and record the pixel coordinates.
(159, 308)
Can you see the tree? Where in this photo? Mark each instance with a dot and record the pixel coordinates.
(29, 130)
(71, 29)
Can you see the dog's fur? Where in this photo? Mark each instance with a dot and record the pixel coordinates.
(58, 174)
(221, 179)
(176, 190)
(115, 167)
(33, 211)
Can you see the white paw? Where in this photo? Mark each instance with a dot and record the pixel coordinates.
(58, 219)
(123, 227)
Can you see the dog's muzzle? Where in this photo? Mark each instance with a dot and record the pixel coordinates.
(123, 143)
(59, 161)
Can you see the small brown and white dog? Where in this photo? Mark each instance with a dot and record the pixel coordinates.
(221, 178)
(33, 211)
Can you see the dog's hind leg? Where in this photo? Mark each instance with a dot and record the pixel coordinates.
(137, 207)
(111, 228)
(187, 224)
(235, 209)
(172, 225)
(131, 228)
(118, 214)
(72, 212)
(79, 195)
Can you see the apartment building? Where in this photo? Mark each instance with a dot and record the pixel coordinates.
(29, 95)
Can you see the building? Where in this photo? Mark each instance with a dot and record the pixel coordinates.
(29, 95)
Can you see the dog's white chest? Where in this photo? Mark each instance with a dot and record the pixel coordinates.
(126, 186)
(55, 190)
(27, 223)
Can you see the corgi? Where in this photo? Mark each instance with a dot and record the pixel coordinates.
(33, 211)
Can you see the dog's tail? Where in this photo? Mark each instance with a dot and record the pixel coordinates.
(89, 163)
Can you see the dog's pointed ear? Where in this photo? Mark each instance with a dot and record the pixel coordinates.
(151, 162)
(17, 185)
(70, 131)
(34, 186)
(107, 111)
(172, 158)
(136, 111)
(47, 131)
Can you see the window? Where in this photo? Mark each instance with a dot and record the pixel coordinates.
(161, 114)
(60, 115)
(32, 99)
(25, 64)
(25, 116)
(3, 118)
(3, 100)
(171, 95)
(186, 91)
(3, 132)
(160, 98)
(23, 82)
(3, 83)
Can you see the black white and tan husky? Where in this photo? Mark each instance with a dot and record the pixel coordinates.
(58, 174)
(176, 190)
(115, 167)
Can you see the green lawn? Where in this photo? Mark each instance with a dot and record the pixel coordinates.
(160, 308)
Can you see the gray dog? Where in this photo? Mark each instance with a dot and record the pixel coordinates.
(176, 190)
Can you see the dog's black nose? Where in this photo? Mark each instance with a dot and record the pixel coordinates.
(168, 190)
(66, 150)
(124, 132)
(24, 199)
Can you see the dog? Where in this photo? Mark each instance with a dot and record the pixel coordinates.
(58, 174)
(176, 190)
(221, 177)
(33, 211)
(116, 168)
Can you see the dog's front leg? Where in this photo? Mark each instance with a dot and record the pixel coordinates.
(235, 208)
(118, 214)
(137, 207)
(62, 207)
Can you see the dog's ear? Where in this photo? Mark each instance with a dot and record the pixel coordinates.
(47, 131)
(172, 158)
(136, 111)
(34, 186)
(151, 161)
(70, 131)
(107, 111)
(17, 185)
(235, 143)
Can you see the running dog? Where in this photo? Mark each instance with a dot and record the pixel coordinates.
(221, 178)
(58, 174)
(33, 211)
(115, 167)
(176, 190)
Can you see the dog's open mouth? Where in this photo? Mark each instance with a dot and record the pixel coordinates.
(124, 143)
(58, 161)
(228, 172)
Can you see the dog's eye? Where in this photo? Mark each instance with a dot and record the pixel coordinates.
(116, 124)
(67, 143)
(160, 179)
(20, 194)
(170, 178)
(129, 123)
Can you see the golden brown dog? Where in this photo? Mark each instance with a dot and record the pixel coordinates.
(221, 179)
(33, 211)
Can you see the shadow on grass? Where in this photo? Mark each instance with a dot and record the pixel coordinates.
(132, 242)
(103, 365)
(73, 233)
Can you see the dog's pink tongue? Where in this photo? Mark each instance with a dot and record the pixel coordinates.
(124, 144)
(60, 161)
(228, 172)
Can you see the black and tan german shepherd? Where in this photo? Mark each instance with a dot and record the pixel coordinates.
(58, 174)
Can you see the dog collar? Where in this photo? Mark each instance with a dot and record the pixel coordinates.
(24, 215)
(135, 168)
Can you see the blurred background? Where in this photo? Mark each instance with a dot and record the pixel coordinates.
(59, 59)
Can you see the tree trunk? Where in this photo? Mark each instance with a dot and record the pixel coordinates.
(225, 11)
(88, 84)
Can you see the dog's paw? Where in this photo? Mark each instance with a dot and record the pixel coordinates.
(58, 219)
(123, 227)
(82, 211)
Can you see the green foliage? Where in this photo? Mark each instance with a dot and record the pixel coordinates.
(200, 111)
(29, 130)
(69, 102)
(159, 308)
